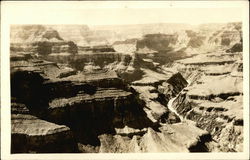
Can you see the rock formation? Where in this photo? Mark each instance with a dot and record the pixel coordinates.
(101, 102)
(213, 98)
(150, 91)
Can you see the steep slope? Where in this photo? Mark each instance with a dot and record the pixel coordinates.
(214, 97)
(98, 102)
(140, 99)
(84, 108)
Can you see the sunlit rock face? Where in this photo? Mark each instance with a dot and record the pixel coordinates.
(135, 88)
(213, 98)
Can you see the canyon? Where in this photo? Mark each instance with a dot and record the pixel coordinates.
(122, 89)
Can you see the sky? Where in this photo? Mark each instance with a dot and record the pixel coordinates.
(117, 13)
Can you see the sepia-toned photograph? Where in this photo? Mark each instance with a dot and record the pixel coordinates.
(119, 77)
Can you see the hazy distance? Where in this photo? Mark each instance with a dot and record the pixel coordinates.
(114, 13)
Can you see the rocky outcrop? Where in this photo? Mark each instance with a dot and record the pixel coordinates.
(106, 109)
(30, 134)
(98, 59)
(127, 66)
(216, 118)
(214, 107)
(227, 36)
(100, 102)
(136, 100)
(85, 107)
(156, 89)
(163, 141)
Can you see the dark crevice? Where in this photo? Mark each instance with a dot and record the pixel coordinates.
(200, 146)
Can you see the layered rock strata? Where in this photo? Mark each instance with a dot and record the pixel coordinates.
(30, 134)
(214, 98)
(85, 107)
(78, 102)
(138, 100)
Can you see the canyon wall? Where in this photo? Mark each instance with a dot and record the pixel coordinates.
(86, 108)
(72, 91)
(213, 98)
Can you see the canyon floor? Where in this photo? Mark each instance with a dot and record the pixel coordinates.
(118, 99)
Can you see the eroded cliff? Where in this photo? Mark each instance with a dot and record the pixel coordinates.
(49, 101)
(213, 98)
(79, 96)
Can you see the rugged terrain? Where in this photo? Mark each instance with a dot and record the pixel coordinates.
(80, 89)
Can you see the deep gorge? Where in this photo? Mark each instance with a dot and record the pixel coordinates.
(160, 97)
